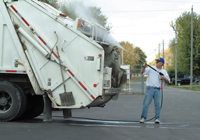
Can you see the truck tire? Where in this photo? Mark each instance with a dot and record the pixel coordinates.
(12, 101)
(35, 106)
(178, 83)
(23, 95)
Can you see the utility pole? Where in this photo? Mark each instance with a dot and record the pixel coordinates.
(122, 57)
(163, 53)
(176, 42)
(159, 50)
(191, 57)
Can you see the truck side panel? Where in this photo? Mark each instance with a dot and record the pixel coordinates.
(8, 53)
(11, 50)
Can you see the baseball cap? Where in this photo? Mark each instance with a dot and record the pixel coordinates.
(161, 60)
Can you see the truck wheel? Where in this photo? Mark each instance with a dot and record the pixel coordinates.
(35, 107)
(12, 101)
(23, 96)
(178, 83)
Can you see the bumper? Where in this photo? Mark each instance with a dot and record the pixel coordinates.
(100, 101)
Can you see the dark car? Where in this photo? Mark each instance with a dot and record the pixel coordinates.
(185, 80)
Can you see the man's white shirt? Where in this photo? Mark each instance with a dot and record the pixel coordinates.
(153, 79)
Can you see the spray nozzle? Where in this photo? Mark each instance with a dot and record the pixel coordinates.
(161, 73)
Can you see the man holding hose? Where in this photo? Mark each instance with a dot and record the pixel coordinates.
(153, 86)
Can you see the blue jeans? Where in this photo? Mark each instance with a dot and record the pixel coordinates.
(151, 93)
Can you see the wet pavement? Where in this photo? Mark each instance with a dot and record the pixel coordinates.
(118, 120)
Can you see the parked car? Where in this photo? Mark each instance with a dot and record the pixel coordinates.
(185, 80)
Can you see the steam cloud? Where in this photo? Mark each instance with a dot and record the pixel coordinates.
(82, 10)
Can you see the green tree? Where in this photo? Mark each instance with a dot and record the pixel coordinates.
(128, 59)
(183, 24)
(171, 73)
(171, 57)
(180, 74)
(142, 57)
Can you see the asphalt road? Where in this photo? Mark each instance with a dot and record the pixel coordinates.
(180, 120)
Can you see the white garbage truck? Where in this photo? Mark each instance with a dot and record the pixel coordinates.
(48, 60)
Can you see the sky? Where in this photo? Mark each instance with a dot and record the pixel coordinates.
(144, 23)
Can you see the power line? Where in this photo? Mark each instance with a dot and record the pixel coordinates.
(147, 33)
(145, 11)
(171, 1)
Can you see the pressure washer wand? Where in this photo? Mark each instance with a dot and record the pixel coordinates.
(155, 70)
